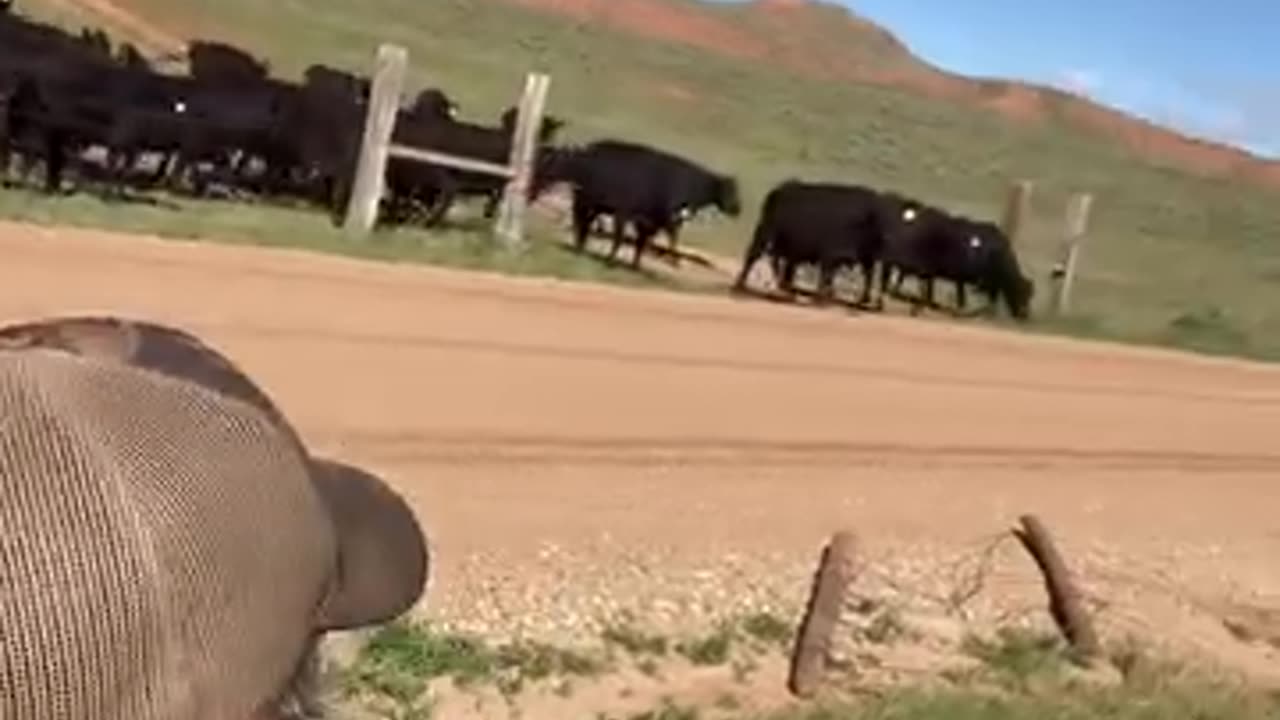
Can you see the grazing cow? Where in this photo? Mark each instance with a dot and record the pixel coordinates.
(930, 243)
(828, 224)
(654, 191)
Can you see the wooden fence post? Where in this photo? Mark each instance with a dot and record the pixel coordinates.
(1065, 603)
(509, 225)
(380, 120)
(837, 569)
(1016, 211)
(1064, 272)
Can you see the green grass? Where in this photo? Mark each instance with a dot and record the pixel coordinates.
(1018, 675)
(1171, 259)
(635, 641)
(769, 630)
(1024, 675)
(403, 658)
(465, 245)
(714, 648)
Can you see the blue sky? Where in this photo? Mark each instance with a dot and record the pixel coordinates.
(1208, 68)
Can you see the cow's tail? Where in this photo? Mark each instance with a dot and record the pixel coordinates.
(761, 240)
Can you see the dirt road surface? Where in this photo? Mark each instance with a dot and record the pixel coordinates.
(578, 450)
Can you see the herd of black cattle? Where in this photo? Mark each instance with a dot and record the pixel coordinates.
(226, 123)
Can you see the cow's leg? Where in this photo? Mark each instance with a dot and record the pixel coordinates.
(673, 232)
(927, 295)
(918, 300)
(961, 299)
(619, 229)
(448, 190)
(886, 268)
(117, 171)
(5, 138)
(761, 241)
(826, 282)
(491, 203)
(898, 280)
(787, 280)
(54, 161)
(868, 268)
(584, 216)
(644, 234)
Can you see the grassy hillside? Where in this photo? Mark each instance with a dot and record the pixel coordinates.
(1173, 258)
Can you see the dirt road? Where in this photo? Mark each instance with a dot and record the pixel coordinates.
(576, 450)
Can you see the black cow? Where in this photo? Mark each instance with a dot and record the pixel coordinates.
(435, 185)
(128, 56)
(333, 82)
(432, 104)
(830, 225)
(931, 243)
(551, 125)
(652, 190)
(492, 188)
(222, 64)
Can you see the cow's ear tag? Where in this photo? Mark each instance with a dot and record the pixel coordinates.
(909, 214)
(974, 242)
(180, 107)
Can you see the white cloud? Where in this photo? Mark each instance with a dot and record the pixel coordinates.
(1079, 80)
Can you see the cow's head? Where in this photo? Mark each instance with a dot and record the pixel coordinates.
(433, 104)
(987, 248)
(551, 166)
(725, 195)
(1018, 298)
(551, 125)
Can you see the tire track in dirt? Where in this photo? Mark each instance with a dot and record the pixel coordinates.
(806, 368)
(481, 448)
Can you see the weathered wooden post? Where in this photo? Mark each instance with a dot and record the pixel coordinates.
(1064, 271)
(380, 120)
(1016, 211)
(509, 225)
(1065, 603)
(837, 569)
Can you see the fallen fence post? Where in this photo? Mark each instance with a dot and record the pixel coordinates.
(509, 225)
(836, 571)
(380, 120)
(1064, 272)
(1065, 603)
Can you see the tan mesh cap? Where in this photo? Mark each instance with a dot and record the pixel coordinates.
(162, 549)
